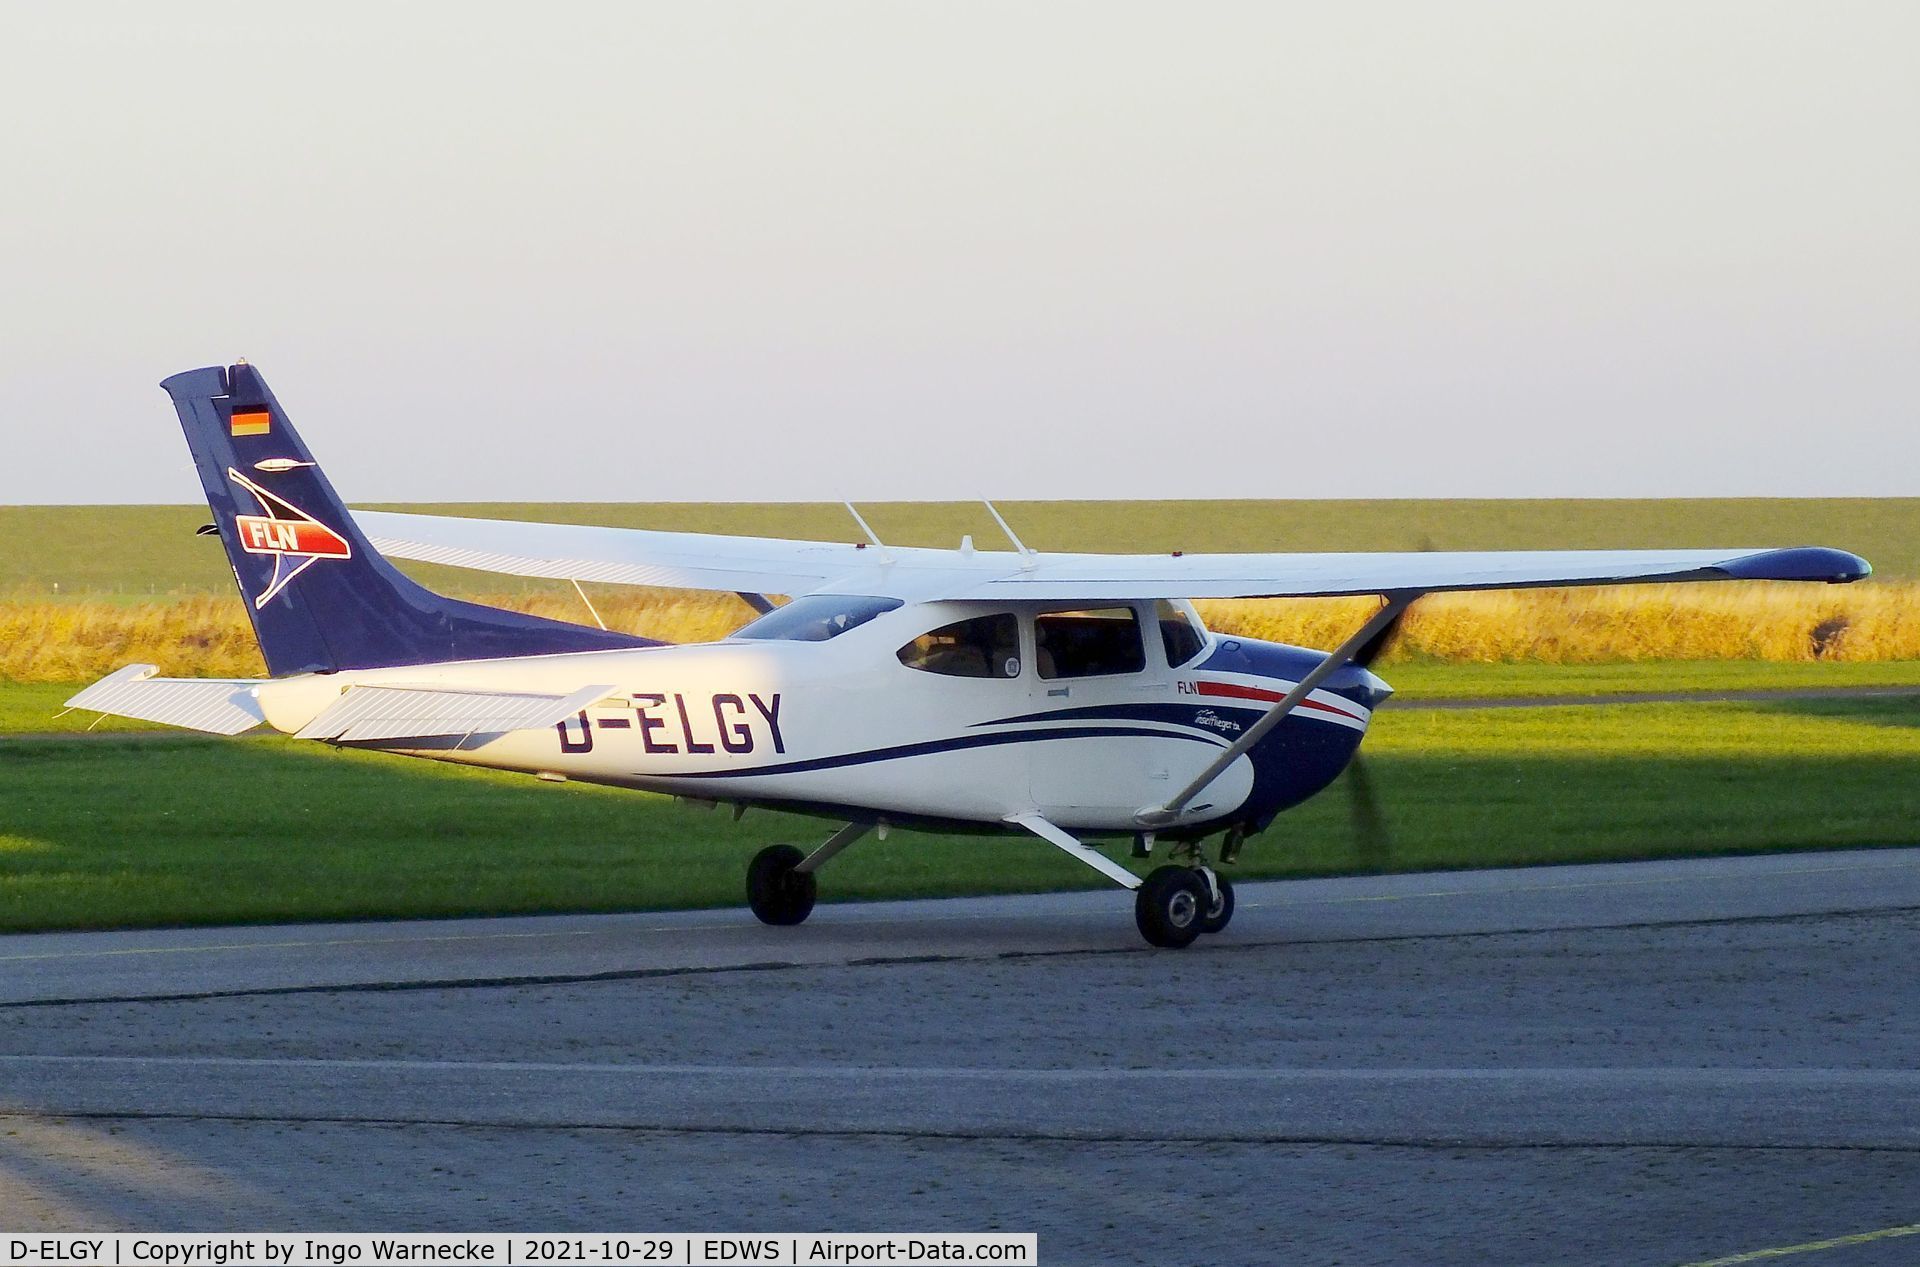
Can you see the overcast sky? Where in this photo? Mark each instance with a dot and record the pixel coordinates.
(894, 250)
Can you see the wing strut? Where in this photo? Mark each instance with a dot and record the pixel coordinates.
(1168, 813)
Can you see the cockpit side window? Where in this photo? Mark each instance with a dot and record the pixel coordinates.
(1092, 643)
(1180, 633)
(984, 646)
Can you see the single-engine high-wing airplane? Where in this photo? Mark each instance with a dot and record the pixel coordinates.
(1069, 696)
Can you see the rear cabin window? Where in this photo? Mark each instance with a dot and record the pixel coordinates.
(985, 646)
(1091, 643)
(1180, 633)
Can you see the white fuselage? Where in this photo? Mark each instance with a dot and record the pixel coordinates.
(842, 724)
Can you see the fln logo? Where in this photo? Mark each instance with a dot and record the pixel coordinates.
(294, 539)
(261, 535)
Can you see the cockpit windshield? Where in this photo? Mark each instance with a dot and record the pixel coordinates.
(817, 617)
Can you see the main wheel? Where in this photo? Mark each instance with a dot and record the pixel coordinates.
(1220, 911)
(1169, 906)
(778, 894)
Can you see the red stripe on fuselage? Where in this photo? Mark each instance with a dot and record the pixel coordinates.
(1233, 690)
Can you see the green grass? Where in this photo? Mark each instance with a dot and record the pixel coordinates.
(1417, 681)
(108, 833)
(143, 551)
(1511, 787)
(37, 708)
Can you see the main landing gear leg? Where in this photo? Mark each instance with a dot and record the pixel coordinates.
(1172, 906)
(780, 884)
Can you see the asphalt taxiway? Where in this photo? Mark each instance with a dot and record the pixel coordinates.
(1654, 1062)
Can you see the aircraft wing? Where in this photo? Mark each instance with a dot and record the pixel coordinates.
(622, 556)
(1089, 577)
(770, 565)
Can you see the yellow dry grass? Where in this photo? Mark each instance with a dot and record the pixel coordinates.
(50, 641)
(1730, 621)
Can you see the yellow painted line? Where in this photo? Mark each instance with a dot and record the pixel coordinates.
(1836, 1242)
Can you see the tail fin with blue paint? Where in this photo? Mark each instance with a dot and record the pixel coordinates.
(320, 597)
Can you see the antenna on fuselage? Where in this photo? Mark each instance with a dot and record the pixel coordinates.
(886, 555)
(1027, 557)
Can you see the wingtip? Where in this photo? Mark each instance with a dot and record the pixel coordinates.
(1799, 563)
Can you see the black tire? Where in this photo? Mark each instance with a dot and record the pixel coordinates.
(1220, 914)
(778, 894)
(1169, 905)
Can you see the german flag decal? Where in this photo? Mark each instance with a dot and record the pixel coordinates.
(251, 420)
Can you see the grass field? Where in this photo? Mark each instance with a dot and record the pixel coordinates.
(128, 832)
(150, 551)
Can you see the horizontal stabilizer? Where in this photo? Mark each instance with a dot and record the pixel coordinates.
(219, 706)
(365, 713)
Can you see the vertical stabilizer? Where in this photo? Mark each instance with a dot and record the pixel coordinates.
(320, 597)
